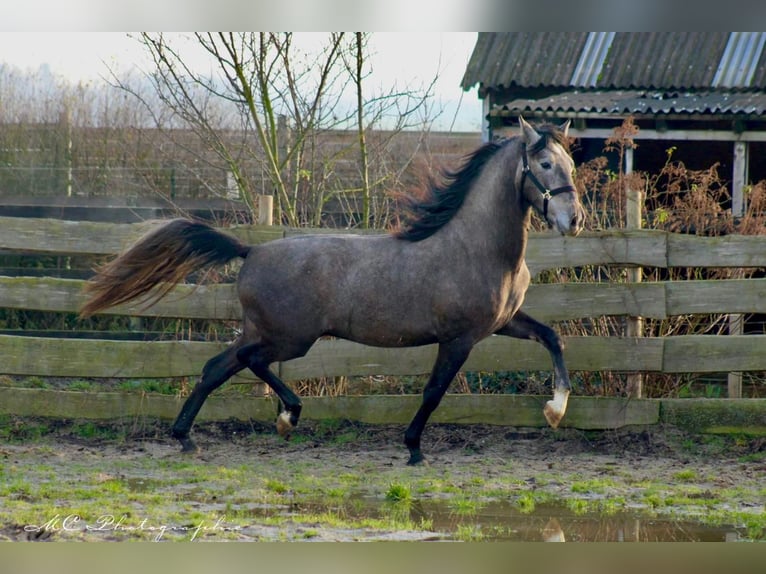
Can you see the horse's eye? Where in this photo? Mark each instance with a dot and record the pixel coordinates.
(545, 165)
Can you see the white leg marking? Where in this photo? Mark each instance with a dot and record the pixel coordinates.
(284, 426)
(555, 409)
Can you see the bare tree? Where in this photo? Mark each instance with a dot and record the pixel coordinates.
(266, 102)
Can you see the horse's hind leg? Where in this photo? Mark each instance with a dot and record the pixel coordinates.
(215, 373)
(522, 326)
(256, 358)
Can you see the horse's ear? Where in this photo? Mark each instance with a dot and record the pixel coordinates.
(565, 128)
(528, 134)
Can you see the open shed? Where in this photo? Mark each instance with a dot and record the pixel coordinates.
(701, 92)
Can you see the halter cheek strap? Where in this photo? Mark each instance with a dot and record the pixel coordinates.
(546, 193)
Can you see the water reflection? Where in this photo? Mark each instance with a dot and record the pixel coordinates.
(556, 523)
(503, 521)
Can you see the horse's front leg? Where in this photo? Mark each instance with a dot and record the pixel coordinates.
(450, 358)
(522, 326)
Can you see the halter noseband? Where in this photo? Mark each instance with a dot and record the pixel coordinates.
(546, 193)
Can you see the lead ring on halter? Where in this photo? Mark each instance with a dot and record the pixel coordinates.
(544, 191)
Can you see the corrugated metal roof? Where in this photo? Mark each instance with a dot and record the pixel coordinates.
(740, 59)
(640, 102)
(592, 59)
(526, 59)
(635, 60)
(663, 61)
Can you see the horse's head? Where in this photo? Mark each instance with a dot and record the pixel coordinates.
(546, 177)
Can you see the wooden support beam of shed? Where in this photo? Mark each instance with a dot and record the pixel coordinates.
(739, 180)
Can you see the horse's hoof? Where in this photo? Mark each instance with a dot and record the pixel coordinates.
(285, 426)
(188, 446)
(556, 408)
(417, 459)
(551, 415)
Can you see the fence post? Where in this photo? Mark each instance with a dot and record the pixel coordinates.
(265, 217)
(265, 210)
(739, 179)
(65, 123)
(633, 213)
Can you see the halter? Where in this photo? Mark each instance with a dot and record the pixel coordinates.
(546, 193)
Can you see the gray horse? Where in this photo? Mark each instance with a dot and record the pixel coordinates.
(454, 275)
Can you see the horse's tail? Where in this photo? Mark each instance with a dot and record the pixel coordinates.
(162, 257)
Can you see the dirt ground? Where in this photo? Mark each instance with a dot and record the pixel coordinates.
(656, 470)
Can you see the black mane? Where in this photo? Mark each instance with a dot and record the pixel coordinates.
(444, 200)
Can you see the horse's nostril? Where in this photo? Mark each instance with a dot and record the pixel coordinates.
(575, 224)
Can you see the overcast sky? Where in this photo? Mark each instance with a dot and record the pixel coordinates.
(404, 59)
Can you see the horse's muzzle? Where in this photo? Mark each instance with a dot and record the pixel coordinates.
(570, 224)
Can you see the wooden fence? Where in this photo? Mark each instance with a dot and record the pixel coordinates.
(22, 355)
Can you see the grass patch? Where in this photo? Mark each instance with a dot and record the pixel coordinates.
(469, 533)
(462, 506)
(526, 503)
(398, 493)
(13, 429)
(686, 475)
(89, 430)
(276, 486)
(593, 486)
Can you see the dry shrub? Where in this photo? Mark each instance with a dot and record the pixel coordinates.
(679, 200)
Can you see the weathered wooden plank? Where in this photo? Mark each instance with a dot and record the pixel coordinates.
(722, 416)
(115, 405)
(614, 353)
(67, 296)
(256, 234)
(615, 247)
(724, 296)
(132, 359)
(330, 358)
(711, 353)
(580, 354)
(527, 411)
(562, 301)
(506, 410)
(29, 235)
(50, 357)
(726, 251)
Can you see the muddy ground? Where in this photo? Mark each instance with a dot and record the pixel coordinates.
(138, 477)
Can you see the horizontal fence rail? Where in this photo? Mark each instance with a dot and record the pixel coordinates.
(644, 247)
(732, 417)
(548, 302)
(52, 357)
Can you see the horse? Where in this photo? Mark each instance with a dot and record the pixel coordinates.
(452, 275)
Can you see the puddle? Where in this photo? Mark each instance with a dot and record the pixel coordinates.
(502, 521)
(488, 521)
